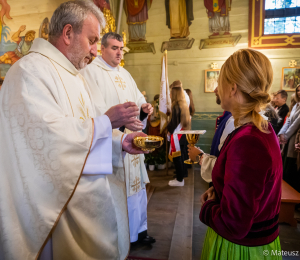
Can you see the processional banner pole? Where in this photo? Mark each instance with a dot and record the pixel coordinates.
(164, 100)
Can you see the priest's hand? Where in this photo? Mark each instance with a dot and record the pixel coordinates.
(128, 145)
(209, 194)
(147, 108)
(123, 114)
(136, 126)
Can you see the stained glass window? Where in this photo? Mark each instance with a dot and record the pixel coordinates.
(282, 16)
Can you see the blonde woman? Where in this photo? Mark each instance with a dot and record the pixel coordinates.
(242, 208)
(180, 120)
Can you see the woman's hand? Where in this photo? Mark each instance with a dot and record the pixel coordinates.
(208, 195)
(193, 151)
(201, 160)
(282, 140)
(297, 147)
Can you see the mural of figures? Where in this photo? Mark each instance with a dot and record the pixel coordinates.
(44, 29)
(137, 16)
(179, 14)
(105, 7)
(218, 14)
(4, 11)
(23, 46)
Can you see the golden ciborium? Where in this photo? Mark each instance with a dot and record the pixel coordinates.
(192, 136)
(148, 143)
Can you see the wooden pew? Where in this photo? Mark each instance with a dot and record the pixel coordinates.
(289, 198)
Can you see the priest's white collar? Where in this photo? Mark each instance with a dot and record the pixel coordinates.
(45, 48)
(111, 67)
(99, 61)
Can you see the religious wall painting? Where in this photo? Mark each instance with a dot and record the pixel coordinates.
(211, 80)
(5, 44)
(137, 13)
(219, 25)
(44, 29)
(18, 47)
(106, 7)
(179, 17)
(290, 78)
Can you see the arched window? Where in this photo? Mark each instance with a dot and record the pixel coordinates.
(274, 24)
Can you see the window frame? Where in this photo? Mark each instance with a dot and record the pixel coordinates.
(256, 37)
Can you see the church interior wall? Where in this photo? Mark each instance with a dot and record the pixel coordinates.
(189, 65)
(186, 65)
(30, 13)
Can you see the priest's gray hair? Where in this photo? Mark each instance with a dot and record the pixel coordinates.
(110, 35)
(73, 13)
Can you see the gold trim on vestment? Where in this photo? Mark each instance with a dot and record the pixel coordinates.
(65, 206)
(125, 192)
(131, 23)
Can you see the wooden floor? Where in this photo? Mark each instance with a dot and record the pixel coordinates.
(173, 220)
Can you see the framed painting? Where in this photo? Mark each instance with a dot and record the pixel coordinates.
(290, 78)
(211, 80)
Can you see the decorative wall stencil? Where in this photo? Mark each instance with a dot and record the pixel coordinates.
(219, 42)
(211, 80)
(264, 33)
(177, 44)
(290, 78)
(139, 47)
(219, 25)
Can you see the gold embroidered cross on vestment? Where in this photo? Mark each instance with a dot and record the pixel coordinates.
(135, 160)
(120, 82)
(136, 184)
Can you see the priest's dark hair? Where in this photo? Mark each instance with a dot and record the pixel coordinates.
(73, 13)
(110, 35)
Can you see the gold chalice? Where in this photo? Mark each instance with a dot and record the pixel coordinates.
(192, 136)
(148, 143)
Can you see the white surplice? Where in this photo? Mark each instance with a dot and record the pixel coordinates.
(111, 86)
(46, 136)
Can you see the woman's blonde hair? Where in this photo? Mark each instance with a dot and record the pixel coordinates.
(178, 98)
(252, 72)
(297, 99)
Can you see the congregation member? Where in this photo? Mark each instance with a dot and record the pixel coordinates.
(241, 209)
(293, 102)
(110, 84)
(153, 123)
(59, 197)
(224, 126)
(180, 120)
(281, 109)
(287, 136)
(191, 106)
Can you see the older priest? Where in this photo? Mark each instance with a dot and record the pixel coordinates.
(58, 196)
(115, 85)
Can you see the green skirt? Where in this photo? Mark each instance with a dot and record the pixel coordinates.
(216, 247)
